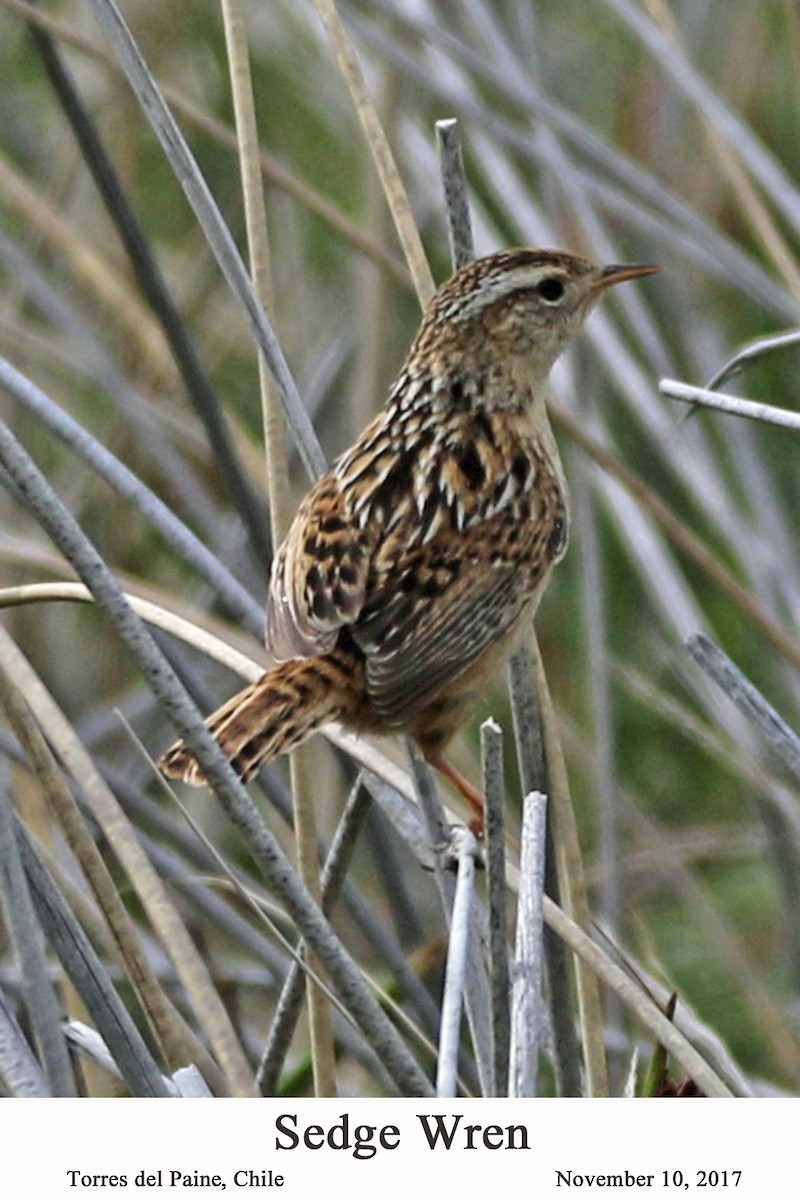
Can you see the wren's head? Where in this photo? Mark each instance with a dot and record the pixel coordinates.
(518, 308)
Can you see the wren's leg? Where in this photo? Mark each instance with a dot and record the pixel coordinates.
(473, 797)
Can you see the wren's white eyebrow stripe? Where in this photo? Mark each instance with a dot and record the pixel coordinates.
(503, 284)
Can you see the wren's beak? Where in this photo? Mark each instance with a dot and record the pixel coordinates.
(619, 272)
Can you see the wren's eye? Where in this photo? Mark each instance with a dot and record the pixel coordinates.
(551, 290)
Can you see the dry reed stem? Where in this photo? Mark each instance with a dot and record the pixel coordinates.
(178, 1043)
(302, 761)
(381, 151)
(160, 909)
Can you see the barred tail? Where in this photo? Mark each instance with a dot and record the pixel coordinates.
(271, 717)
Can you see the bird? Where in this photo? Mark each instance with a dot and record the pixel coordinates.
(417, 559)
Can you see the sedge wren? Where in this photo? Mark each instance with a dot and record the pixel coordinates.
(414, 562)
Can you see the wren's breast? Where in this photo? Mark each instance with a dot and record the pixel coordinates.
(495, 470)
(464, 513)
(483, 487)
(437, 471)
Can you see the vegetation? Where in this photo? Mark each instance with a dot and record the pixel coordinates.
(129, 335)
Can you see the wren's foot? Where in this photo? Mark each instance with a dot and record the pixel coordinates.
(474, 798)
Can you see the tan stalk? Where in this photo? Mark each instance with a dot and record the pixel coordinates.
(273, 170)
(275, 173)
(178, 1043)
(751, 205)
(679, 533)
(637, 1000)
(748, 201)
(164, 917)
(630, 992)
(394, 190)
(302, 761)
(118, 301)
(572, 879)
(369, 382)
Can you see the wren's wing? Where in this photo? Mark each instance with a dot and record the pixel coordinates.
(427, 552)
(320, 573)
(318, 576)
(444, 605)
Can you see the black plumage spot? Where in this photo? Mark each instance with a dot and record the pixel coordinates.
(499, 488)
(451, 565)
(484, 425)
(333, 525)
(335, 550)
(555, 542)
(471, 466)
(397, 482)
(348, 574)
(347, 650)
(320, 605)
(458, 396)
(520, 468)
